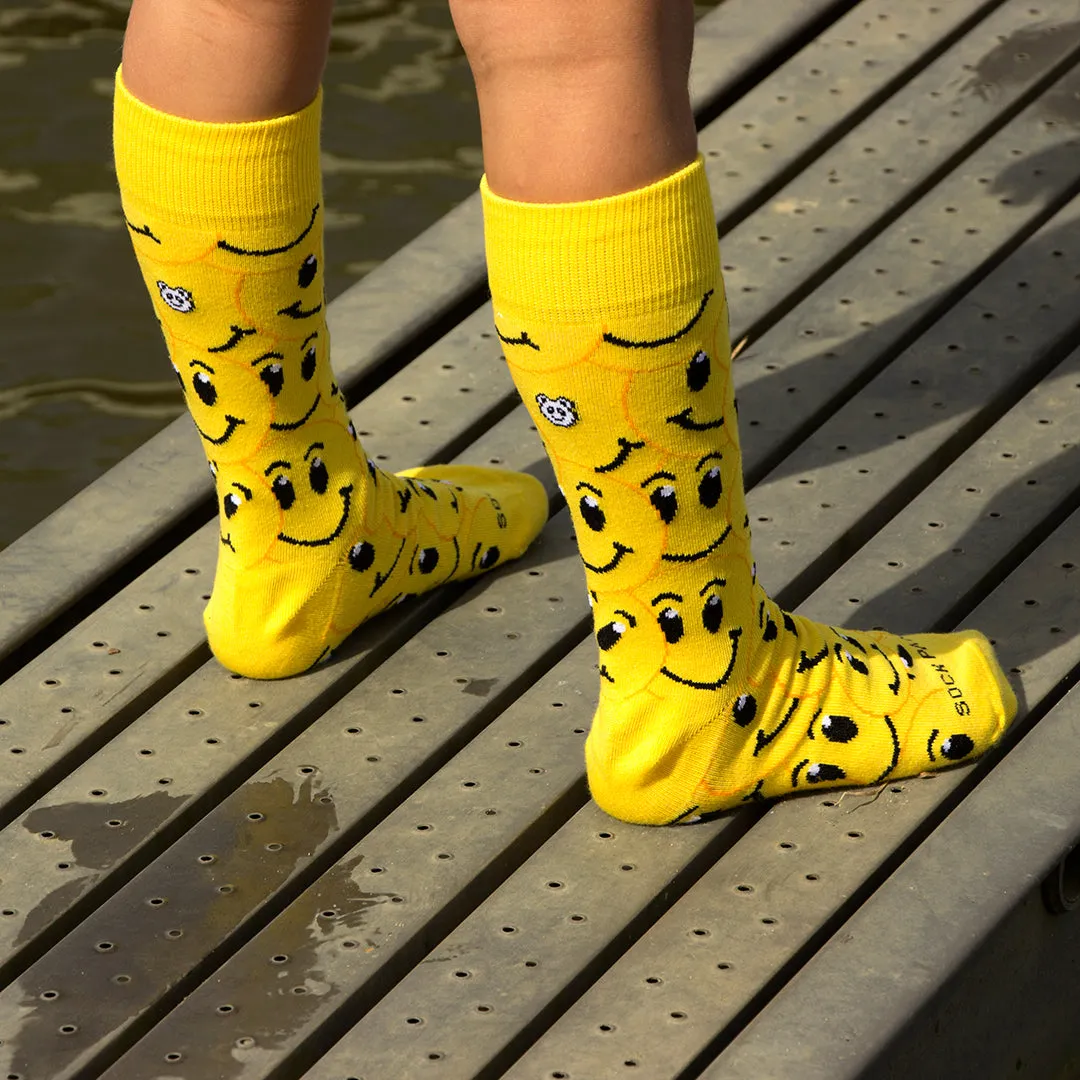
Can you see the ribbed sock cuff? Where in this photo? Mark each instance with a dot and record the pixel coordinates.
(252, 176)
(640, 253)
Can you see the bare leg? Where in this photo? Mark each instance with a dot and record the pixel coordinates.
(580, 100)
(222, 60)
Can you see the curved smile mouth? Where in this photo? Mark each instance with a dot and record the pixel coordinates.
(266, 252)
(694, 556)
(605, 674)
(687, 423)
(734, 635)
(227, 541)
(346, 500)
(233, 423)
(295, 311)
(620, 551)
(626, 448)
(303, 419)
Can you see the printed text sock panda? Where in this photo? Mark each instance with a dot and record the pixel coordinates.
(227, 221)
(613, 321)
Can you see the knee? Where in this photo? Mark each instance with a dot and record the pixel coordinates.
(550, 35)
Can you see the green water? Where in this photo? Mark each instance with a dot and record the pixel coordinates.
(83, 374)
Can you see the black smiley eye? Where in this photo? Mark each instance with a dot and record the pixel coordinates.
(489, 558)
(841, 729)
(609, 635)
(698, 371)
(820, 773)
(283, 492)
(957, 747)
(361, 556)
(318, 477)
(591, 513)
(712, 614)
(671, 624)
(665, 503)
(744, 710)
(711, 488)
(428, 560)
(307, 365)
(230, 504)
(204, 388)
(274, 378)
(308, 269)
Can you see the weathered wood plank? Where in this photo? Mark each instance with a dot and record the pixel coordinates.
(912, 419)
(775, 129)
(895, 156)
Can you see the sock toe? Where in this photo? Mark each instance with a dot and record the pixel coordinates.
(514, 498)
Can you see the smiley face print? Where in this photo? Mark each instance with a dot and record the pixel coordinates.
(679, 644)
(317, 492)
(686, 407)
(620, 534)
(298, 385)
(631, 645)
(694, 503)
(228, 403)
(704, 643)
(249, 517)
(281, 290)
(308, 504)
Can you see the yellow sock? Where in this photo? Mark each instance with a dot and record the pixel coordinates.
(226, 220)
(612, 317)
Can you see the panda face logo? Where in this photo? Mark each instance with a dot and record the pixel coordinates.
(560, 411)
(176, 298)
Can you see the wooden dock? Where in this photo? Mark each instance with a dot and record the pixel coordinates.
(389, 868)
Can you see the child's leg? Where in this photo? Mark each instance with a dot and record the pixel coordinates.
(223, 61)
(605, 279)
(219, 174)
